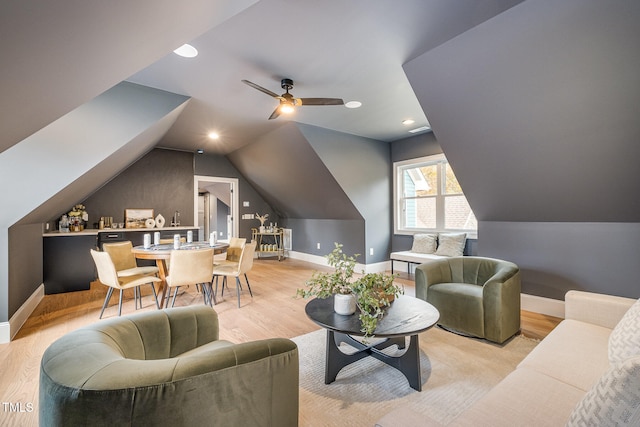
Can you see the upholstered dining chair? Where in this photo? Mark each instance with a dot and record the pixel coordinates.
(233, 252)
(230, 270)
(125, 262)
(108, 276)
(191, 267)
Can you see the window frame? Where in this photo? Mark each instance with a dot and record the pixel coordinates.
(399, 225)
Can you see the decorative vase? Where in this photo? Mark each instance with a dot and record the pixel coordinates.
(344, 304)
(262, 229)
(159, 221)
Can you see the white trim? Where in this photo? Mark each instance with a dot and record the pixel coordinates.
(5, 332)
(399, 226)
(235, 197)
(9, 329)
(321, 260)
(315, 259)
(536, 304)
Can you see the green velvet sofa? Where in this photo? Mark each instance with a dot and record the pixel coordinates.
(476, 296)
(167, 368)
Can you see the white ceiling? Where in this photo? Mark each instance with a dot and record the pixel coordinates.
(352, 50)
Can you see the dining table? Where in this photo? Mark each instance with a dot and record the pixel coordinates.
(162, 252)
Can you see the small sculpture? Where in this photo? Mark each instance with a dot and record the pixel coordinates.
(262, 220)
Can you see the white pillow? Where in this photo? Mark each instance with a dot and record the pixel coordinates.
(451, 244)
(424, 243)
(624, 341)
(613, 401)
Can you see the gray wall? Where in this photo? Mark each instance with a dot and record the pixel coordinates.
(536, 110)
(162, 180)
(556, 257)
(326, 186)
(307, 233)
(362, 167)
(63, 163)
(25, 244)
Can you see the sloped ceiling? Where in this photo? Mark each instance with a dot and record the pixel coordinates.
(537, 111)
(64, 162)
(57, 55)
(290, 176)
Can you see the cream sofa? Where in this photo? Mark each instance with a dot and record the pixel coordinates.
(576, 376)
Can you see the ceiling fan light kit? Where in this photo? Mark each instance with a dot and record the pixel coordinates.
(288, 102)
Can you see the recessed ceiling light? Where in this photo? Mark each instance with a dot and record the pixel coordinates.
(213, 135)
(200, 151)
(420, 129)
(408, 122)
(187, 51)
(353, 104)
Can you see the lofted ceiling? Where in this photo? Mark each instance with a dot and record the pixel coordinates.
(59, 55)
(351, 50)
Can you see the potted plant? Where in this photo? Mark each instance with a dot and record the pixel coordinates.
(374, 293)
(338, 282)
(371, 293)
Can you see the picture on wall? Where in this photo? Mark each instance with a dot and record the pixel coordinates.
(137, 218)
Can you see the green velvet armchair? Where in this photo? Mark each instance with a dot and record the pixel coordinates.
(475, 296)
(167, 368)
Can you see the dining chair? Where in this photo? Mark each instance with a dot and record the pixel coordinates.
(125, 262)
(230, 270)
(191, 267)
(233, 251)
(108, 276)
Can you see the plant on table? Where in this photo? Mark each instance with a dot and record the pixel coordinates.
(373, 291)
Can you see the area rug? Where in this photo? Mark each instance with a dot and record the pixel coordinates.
(456, 371)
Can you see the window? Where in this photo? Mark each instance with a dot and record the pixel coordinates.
(428, 197)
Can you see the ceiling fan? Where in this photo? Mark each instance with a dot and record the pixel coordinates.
(287, 100)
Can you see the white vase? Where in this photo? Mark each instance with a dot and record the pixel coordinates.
(344, 304)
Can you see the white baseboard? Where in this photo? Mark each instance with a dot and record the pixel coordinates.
(5, 332)
(9, 329)
(548, 306)
(321, 260)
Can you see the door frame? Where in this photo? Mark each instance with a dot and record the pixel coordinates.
(235, 229)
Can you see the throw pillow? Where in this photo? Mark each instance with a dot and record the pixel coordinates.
(424, 243)
(451, 244)
(624, 341)
(613, 401)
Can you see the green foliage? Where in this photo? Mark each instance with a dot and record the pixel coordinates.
(323, 285)
(374, 291)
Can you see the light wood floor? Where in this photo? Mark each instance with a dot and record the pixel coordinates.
(272, 312)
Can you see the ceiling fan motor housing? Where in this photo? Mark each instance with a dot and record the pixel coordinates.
(286, 84)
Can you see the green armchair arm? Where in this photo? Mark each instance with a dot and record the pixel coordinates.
(431, 273)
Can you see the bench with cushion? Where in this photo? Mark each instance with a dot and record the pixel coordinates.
(430, 246)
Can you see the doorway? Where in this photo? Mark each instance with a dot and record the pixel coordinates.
(215, 207)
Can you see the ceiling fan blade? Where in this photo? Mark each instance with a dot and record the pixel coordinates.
(260, 88)
(275, 113)
(321, 101)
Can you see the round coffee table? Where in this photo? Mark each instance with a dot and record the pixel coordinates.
(407, 316)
